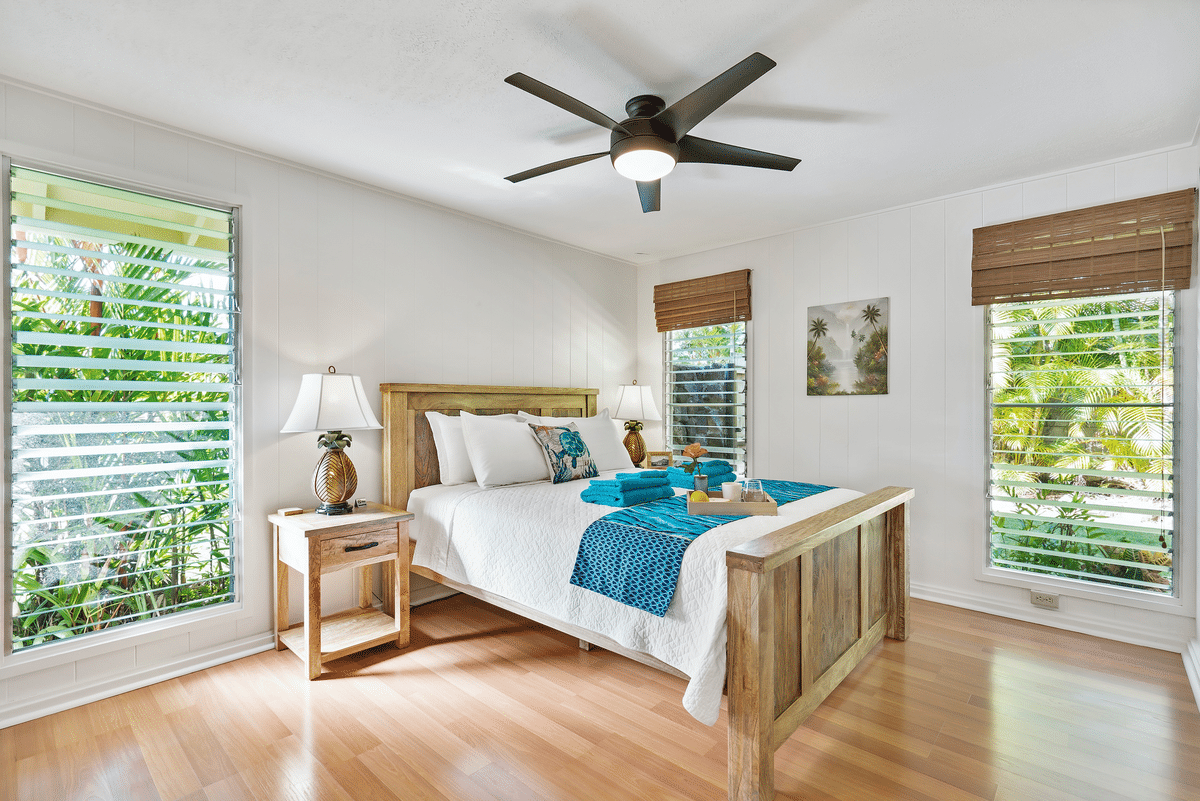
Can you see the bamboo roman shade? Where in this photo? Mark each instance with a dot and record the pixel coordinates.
(712, 300)
(1104, 250)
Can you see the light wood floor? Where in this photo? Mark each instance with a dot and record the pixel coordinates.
(485, 706)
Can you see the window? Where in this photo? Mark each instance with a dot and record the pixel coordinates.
(1081, 389)
(704, 322)
(123, 480)
(705, 390)
(1082, 433)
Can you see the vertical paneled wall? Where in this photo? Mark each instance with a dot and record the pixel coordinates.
(928, 431)
(333, 273)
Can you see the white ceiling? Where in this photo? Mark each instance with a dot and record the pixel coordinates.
(885, 101)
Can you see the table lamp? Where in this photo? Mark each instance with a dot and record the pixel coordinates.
(635, 404)
(332, 403)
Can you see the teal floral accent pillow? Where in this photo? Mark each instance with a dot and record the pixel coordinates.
(566, 453)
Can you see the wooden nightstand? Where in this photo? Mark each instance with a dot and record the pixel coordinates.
(315, 545)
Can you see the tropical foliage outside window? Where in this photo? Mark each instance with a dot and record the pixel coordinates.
(123, 403)
(1082, 439)
(705, 390)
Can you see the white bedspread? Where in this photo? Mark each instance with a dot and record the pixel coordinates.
(520, 542)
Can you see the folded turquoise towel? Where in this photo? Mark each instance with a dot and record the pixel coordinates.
(631, 481)
(715, 480)
(606, 497)
(709, 468)
(657, 476)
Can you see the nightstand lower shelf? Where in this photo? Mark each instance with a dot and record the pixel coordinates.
(344, 634)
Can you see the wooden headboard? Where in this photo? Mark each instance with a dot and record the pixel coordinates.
(409, 457)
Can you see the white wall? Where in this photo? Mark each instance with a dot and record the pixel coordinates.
(337, 273)
(928, 431)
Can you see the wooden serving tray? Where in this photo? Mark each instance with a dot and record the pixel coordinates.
(720, 506)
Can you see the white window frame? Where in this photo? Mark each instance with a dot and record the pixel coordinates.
(1185, 482)
(139, 632)
(742, 464)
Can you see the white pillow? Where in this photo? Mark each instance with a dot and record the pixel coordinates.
(503, 450)
(599, 433)
(454, 463)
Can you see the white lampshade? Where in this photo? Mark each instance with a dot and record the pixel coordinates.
(330, 402)
(636, 403)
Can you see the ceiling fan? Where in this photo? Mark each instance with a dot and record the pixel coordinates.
(654, 138)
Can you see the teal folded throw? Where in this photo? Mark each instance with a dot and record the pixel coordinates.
(709, 468)
(632, 481)
(609, 497)
(717, 470)
(658, 476)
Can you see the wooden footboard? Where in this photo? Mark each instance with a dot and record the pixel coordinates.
(806, 604)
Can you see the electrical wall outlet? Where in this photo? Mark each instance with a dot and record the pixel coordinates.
(1045, 600)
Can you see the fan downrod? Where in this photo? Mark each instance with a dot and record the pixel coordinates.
(643, 106)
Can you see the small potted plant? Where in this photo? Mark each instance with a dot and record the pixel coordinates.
(694, 452)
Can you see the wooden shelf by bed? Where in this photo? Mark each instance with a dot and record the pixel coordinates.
(313, 545)
(345, 633)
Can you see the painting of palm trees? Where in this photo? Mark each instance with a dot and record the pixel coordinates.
(848, 348)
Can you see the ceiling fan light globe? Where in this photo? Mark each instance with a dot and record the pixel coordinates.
(644, 165)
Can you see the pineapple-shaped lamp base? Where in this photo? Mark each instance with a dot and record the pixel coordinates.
(334, 480)
(633, 442)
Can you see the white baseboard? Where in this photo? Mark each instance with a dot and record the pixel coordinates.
(1191, 663)
(1076, 623)
(79, 694)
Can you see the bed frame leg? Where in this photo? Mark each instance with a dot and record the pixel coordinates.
(896, 581)
(584, 645)
(751, 678)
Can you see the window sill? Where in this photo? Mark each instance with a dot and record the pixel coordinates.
(1171, 605)
(130, 636)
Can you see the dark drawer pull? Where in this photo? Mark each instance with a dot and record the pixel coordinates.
(350, 548)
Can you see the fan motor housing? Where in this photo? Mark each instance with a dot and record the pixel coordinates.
(650, 141)
(645, 133)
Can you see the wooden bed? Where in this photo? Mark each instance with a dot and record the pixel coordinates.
(806, 603)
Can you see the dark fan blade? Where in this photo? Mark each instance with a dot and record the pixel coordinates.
(649, 192)
(563, 101)
(556, 165)
(685, 114)
(706, 151)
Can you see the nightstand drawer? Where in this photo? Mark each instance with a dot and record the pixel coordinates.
(358, 549)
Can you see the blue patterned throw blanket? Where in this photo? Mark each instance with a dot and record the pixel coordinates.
(633, 555)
